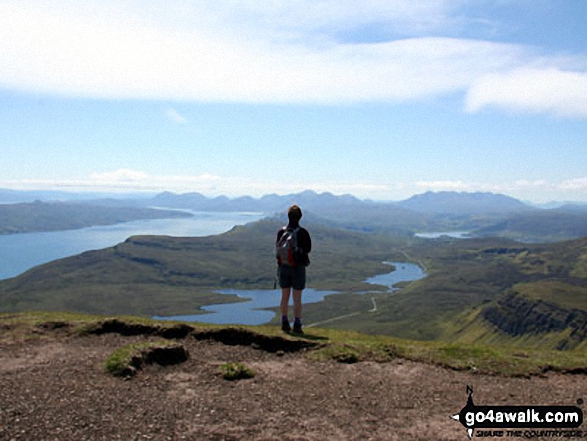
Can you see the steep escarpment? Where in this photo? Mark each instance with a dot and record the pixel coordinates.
(517, 315)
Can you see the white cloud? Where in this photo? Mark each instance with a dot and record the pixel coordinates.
(525, 184)
(548, 90)
(72, 54)
(574, 184)
(445, 186)
(271, 51)
(521, 185)
(120, 176)
(175, 116)
(304, 19)
(128, 180)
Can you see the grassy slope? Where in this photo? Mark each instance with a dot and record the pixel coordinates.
(538, 225)
(344, 346)
(464, 277)
(553, 278)
(459, 276)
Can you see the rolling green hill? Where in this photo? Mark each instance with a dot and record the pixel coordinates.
(546, 308)
(538, 225)
(486, 291)
(55, 216)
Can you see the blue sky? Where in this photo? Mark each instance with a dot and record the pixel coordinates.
(380, 99)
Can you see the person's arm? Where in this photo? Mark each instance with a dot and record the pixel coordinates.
(306, 244)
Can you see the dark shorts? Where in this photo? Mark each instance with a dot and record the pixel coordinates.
(292, 277)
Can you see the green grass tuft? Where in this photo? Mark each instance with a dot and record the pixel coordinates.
(342, 353)
(125, 361)
(236, 371)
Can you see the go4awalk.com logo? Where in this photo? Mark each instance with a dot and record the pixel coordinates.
(520, 421)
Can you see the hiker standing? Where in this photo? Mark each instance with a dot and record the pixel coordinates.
(292, 247)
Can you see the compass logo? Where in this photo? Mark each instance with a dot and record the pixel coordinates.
(518, 417)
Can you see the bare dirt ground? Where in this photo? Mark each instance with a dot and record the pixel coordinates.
(56, 388)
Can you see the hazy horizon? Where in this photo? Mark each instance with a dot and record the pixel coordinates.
(379, 99)
(122, 195)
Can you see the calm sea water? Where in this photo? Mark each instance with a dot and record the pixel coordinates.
(253, 312)
(20, 252)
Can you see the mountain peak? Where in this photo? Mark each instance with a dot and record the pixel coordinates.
(453, 202)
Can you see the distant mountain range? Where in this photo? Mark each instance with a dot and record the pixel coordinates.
(272, 203)
(444, 202)
(440, 203)
(482, 214)
(450, 202)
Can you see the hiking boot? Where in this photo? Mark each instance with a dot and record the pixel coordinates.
(285, 327)
(297, 328)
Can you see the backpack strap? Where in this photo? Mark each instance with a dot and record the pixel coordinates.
(293, 230)
(295, 237)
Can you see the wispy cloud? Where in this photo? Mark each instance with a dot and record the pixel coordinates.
(120, 176)
(175, 116)
(125, 180)
(309, 20)
(129, 180)
(547, 90)
(445, 186)
(574, 184)
(502, 187)
(270, 51)
(57, 52)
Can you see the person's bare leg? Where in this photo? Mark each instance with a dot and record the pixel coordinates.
(297, 303)
(285, 301)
